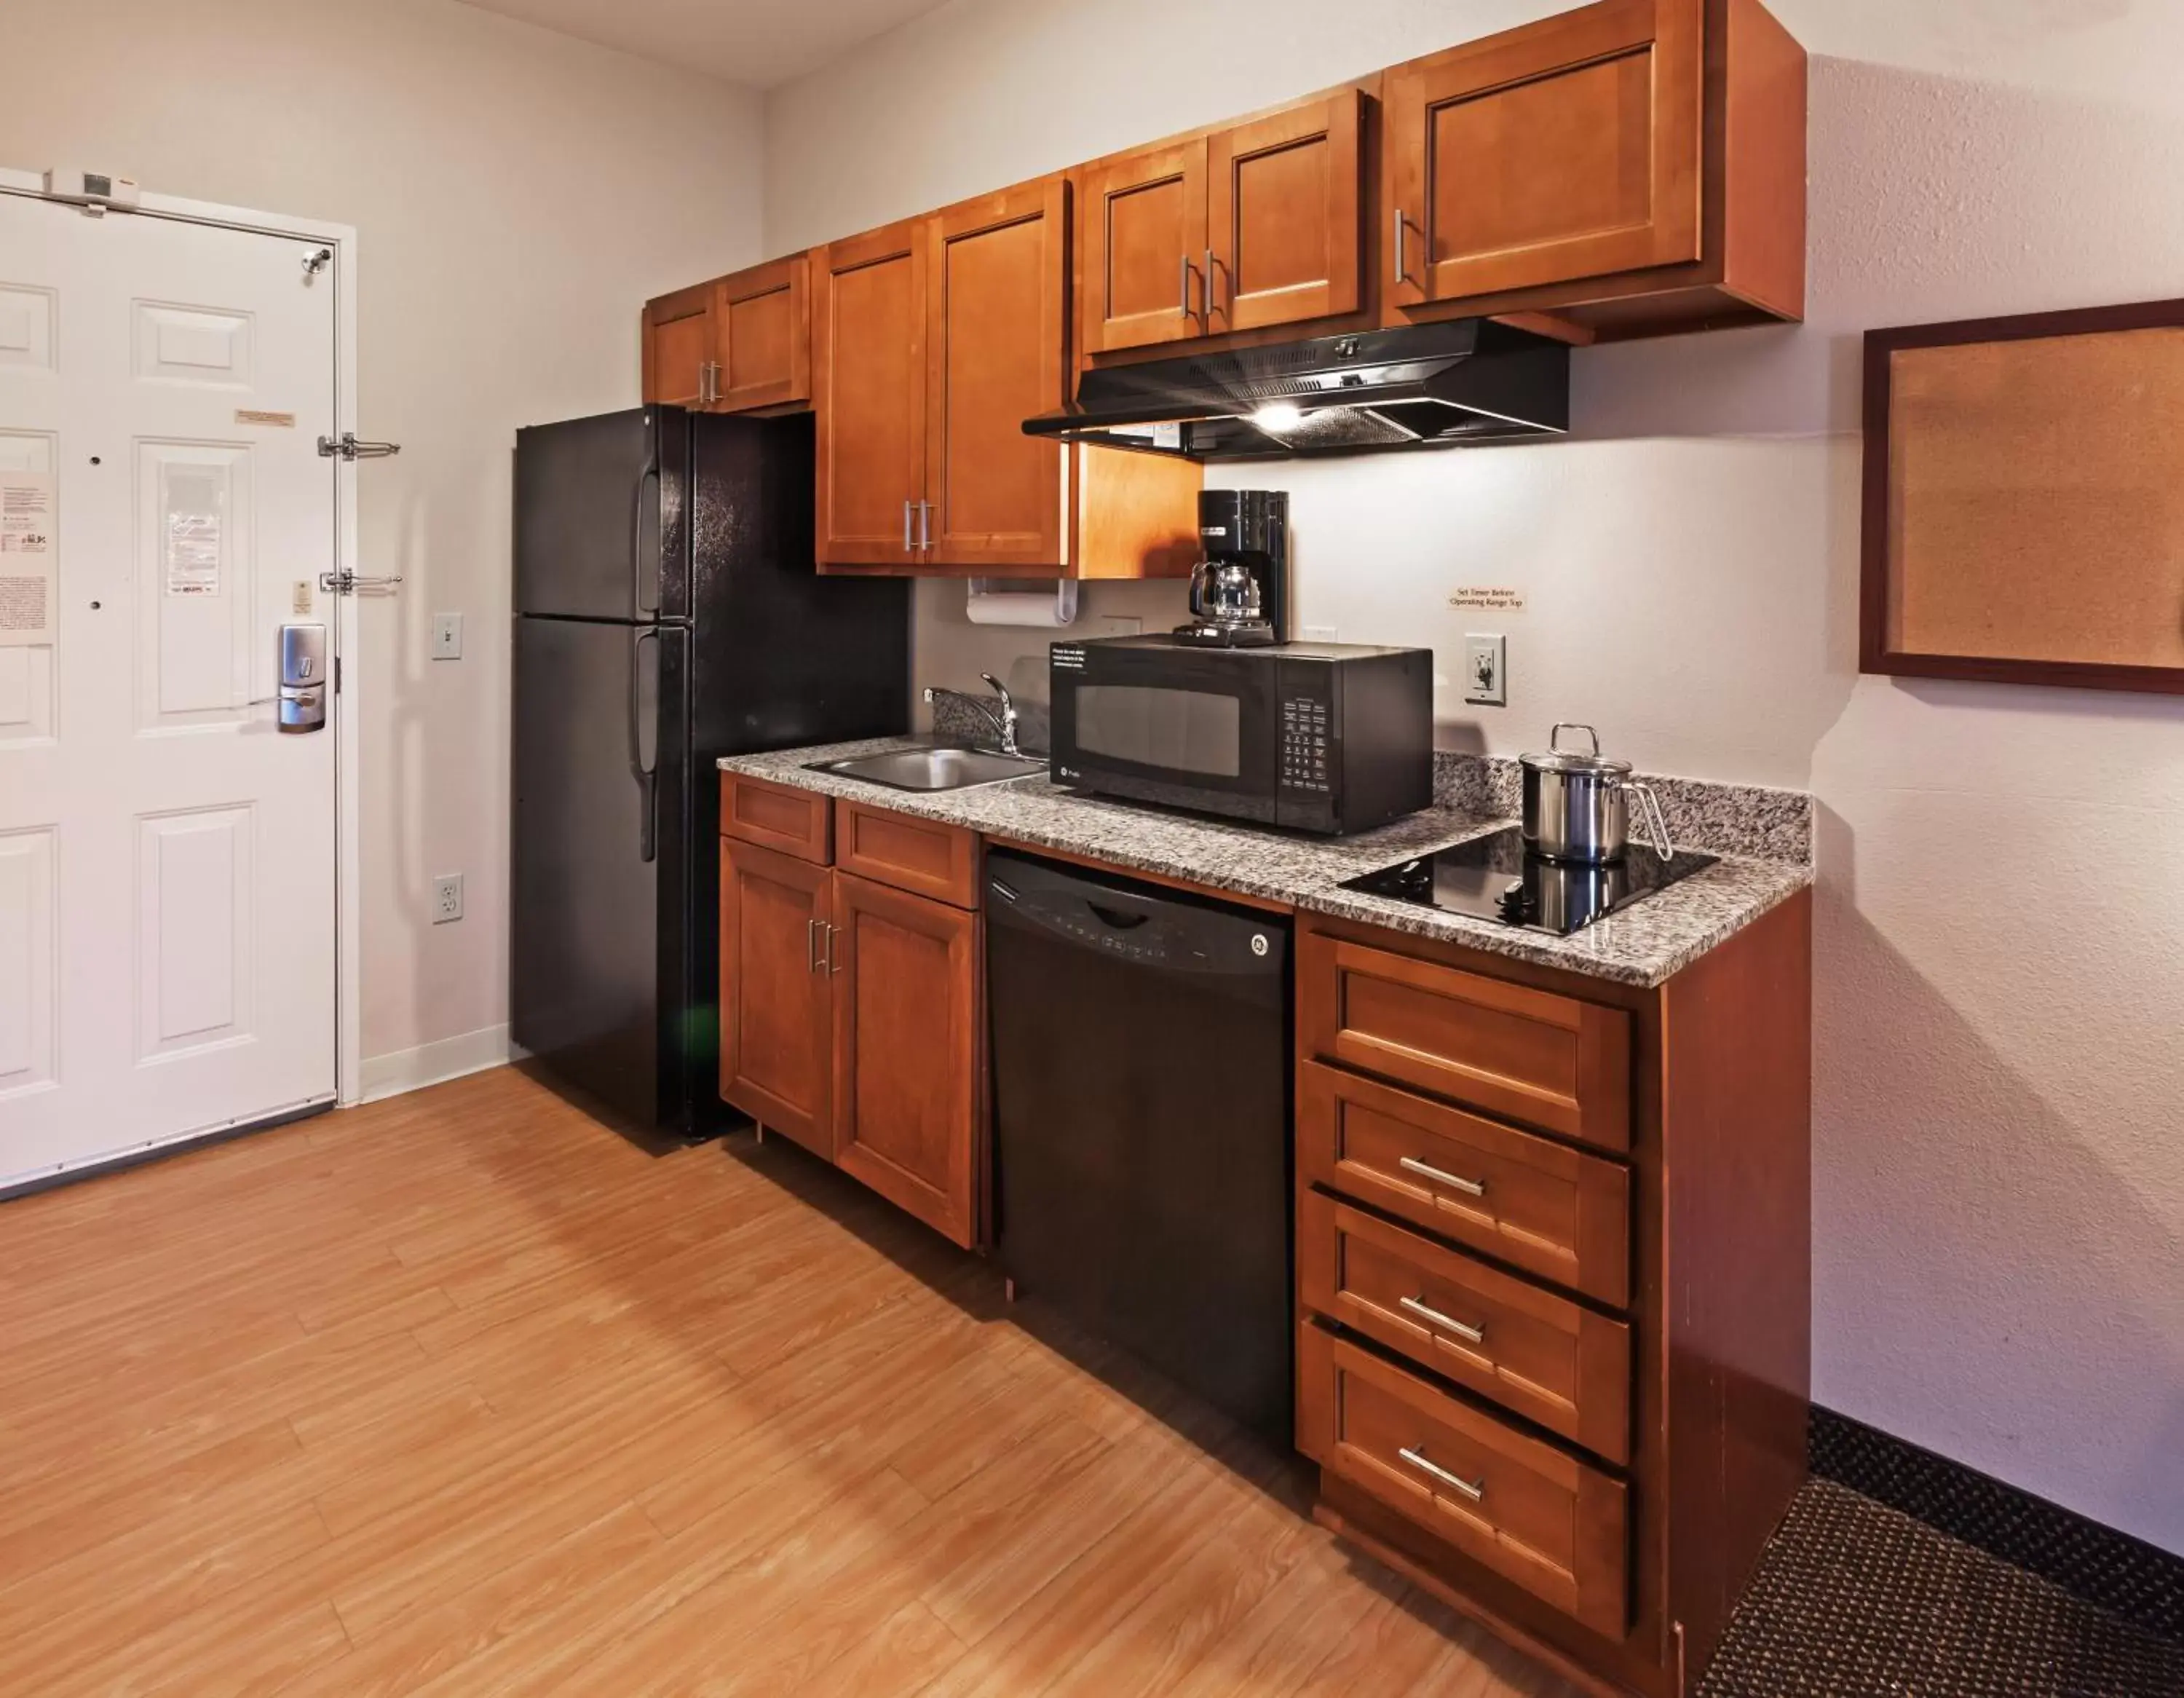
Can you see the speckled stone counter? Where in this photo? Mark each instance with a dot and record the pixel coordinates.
(1645, 944)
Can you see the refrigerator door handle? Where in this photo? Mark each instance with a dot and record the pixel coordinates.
(644, 589)
(644, 736)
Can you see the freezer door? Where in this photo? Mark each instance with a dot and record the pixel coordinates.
(601, 516)
(600, 948)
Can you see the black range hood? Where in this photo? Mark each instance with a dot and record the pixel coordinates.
(1420, 386)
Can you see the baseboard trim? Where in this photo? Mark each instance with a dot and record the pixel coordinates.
(432, 1063)
(2110, 1569)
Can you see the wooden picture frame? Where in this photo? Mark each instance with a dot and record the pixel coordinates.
(2024, 499)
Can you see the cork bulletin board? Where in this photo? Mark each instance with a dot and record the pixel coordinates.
(2024, 499)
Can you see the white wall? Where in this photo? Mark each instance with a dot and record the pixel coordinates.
(1999, 1159)
(518, 195)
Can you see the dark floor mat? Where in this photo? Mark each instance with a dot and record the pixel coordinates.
(1854, 1599)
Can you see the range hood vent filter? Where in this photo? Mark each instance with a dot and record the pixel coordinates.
(1466, 380)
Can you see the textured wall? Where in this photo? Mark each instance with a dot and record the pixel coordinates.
(2000, 1160)
(518, 196)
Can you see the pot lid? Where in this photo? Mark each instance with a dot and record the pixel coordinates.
(1558, 759)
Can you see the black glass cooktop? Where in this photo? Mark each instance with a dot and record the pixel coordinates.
(1493, 878)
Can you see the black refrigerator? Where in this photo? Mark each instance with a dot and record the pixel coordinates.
(667, 613)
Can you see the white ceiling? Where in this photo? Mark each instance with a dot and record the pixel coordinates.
(757, 43)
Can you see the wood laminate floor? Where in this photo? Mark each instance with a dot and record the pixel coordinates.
(463, 1394)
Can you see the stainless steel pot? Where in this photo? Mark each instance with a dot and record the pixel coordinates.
(1577, 806)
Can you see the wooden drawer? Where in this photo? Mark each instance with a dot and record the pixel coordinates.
(1527, 1201)
(1551, 1060)
(920, 856)
(795, 821)
(1534, 1514)
(1550, 1360)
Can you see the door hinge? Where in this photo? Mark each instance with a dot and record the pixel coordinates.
(346, 447)
(355, 584)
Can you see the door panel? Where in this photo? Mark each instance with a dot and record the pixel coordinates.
(166, 857)
(1143, 227)
(679, 346)
(868, 354)
(585, 964)
(995, 356)
(1565, 149)
(765, 320)
(908, 1051)
(1284, 215)
(777, 995)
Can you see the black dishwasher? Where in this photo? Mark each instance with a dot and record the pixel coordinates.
(1141, 1124)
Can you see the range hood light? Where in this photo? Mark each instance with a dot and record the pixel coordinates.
(1277, 417)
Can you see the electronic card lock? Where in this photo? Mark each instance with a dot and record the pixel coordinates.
(304, 677)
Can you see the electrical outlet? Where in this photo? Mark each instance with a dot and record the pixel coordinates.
(1486, 671)
(1121, 625)
(447, 636)
(1321, 633)
(447, 898)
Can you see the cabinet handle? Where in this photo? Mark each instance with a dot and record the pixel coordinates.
(1469, 1188)
(1447, 1323)
(812, 928)
(925, 524)
(1474, 1490)
(1207, 294)
(709, 383)
(833, 965)
(906, 543)
(1403, 268)
(1183, 304)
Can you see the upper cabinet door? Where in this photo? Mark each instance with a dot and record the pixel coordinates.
(1144, 235)
(868, 374)
(1283, 216)
(764, 316)
(679, 369)
(995, 341)
(1565, 149)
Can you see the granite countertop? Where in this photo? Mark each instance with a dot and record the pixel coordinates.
(1644, 945)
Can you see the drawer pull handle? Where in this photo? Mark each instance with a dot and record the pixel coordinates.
(1447, 1323)
(1474, 1490)
(1469, 1188)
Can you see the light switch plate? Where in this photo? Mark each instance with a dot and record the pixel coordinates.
(447, 636)
(447, 898)
(1487, 670)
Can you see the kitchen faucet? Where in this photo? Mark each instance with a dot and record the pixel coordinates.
(1003, 716)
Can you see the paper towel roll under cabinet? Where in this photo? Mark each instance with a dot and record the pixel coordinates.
(1009, 601)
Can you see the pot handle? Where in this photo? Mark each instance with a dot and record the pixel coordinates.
(1652, 817)
(1555, 736)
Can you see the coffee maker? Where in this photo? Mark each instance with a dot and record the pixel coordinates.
(1240, 591)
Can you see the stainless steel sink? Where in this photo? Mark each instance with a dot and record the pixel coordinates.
(933, 768)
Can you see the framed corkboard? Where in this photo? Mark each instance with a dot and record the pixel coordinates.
(2024, 514)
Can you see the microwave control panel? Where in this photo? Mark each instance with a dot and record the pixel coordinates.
(1306, 744)
(1311, 737)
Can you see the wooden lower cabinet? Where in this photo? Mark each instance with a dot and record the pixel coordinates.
(776, 996)
(907, 1051)
(849, 1008)
(1553, 1281)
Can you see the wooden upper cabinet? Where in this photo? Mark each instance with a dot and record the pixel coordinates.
(776, 994)
(1283, 211)
(868, 381)
(763, 331)
(679, 348)
(1143, 230)
(907, 1052)
(1567, 148)
(996, 338)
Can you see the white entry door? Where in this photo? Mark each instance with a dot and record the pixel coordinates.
(167, 854)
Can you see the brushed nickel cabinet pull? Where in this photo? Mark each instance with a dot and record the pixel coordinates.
(925, 524)
(812, 930)
(1447, 1323)
(1469, 1188)
(834, 965)
(1403, 268)
(1208, 293)
(908, 507)
(1183, 304)
(1474, 1490)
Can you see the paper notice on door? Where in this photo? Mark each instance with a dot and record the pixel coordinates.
(197, 501)
(26, 558)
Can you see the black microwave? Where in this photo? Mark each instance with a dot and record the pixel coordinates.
(1314, 736)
